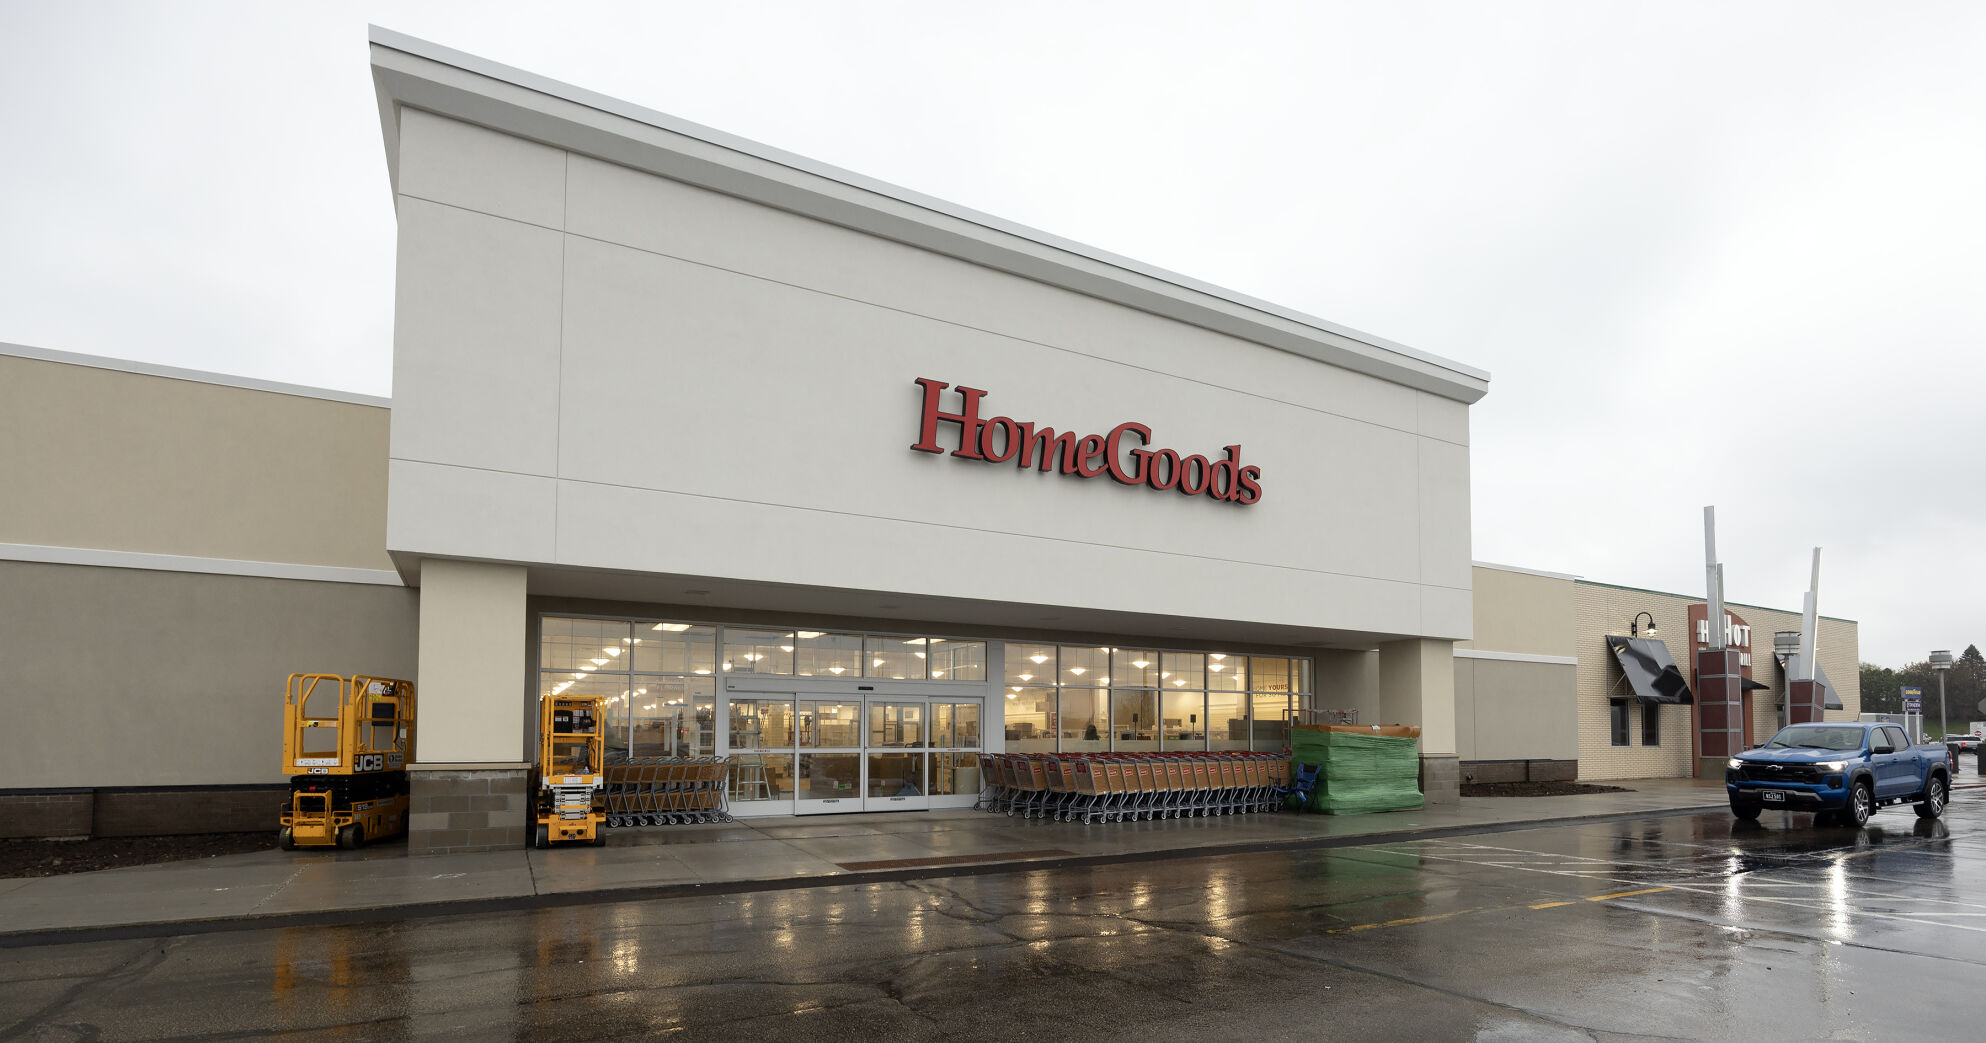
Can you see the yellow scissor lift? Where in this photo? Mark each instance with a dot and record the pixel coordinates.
(572, 797)
(345, 747)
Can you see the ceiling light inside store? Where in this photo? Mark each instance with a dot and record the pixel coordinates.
(1038, 658)
(937, 673)
(877, 663)
(1079, 670)
(1215, 656)
(915, 641)
(702, 671)
(598, 662)
(1217, 667)
(611, 651)
(1103, 680)
(673, 628)
(809, 635)
(1027, 677)
(588, 667)
(1180, 681)
(834, 669)
(752, 657)
(919, 655)
(1141, 663)
(1013, 693)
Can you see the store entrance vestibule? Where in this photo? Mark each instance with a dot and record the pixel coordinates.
(856, 752)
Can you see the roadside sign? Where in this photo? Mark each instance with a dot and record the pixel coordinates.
(1913, 706)
(1913, 699)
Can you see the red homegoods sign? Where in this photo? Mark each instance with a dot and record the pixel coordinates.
(1737, 635)
(1124, 454)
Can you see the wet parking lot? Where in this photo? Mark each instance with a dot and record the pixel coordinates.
(1687, 926)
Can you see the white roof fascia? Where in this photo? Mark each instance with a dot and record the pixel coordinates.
(70, 358)
(418, 74)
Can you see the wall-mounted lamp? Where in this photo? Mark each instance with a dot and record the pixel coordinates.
(1634, 628)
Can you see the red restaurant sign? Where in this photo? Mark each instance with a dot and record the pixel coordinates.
(1122, 454)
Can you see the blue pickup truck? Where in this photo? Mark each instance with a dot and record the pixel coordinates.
(1842, 770)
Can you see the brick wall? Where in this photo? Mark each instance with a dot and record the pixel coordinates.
(125, 812)
(46, 813)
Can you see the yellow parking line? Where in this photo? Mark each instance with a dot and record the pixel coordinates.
(1550, 905)
(1629, 894)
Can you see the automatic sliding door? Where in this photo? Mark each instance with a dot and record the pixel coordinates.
(896, 741)
(830, 769)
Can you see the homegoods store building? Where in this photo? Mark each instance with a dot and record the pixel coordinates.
(842, 482)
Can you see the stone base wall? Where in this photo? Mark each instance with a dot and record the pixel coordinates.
(486, 809)
(1441, 779)
(1520, 771)
(133, 812)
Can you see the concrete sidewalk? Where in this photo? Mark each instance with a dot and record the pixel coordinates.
(277, 888)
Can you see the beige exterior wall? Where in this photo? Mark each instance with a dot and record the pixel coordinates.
(1522, 612)
(129, 677)
(1516, 711)
(1604, 610)
(474, 633)
(134, 462)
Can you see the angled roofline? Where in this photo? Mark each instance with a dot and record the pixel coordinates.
(416, 73)
(150, 369)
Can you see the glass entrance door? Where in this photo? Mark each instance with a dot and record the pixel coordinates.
(829, 774)
(894, 756)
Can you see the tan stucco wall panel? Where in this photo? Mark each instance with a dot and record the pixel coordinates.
(128, 677)
(113, 460)
(1522, 612)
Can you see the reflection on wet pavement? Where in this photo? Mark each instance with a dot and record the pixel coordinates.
(1694, 927)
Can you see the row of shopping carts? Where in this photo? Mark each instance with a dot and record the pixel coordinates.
(1112, 787)
(668, 791)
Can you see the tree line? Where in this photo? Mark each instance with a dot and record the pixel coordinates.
(1965, 686)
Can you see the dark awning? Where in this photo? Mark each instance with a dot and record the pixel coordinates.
(1753, 686)
(1789, 668)
(1649, 670)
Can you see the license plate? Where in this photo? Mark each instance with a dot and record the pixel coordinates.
(1773, 797)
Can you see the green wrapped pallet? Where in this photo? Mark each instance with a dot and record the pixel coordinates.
(1362, 769)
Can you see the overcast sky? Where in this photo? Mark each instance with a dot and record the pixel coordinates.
(1711, 253)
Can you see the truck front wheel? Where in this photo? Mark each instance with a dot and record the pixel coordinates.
(1934, 798)
(1861, 804)
(1748, 813)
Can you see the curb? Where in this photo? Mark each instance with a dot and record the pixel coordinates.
(567, 899)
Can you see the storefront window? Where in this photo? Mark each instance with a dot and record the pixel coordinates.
(957, 660)
(1185, 722)
(1269, 675)
(755, 651)
(895, 658)
(955, 773)
(1084, 720)
(1029, 711)
(1134, 668)
(1084, 665)
(955, 725)
(1134, 720)
(1182, 670)
(674, 648)
(583, 645)
(828, 655)
(1227, 721)
(1030, 664)
(1270, 728)
(1227, 673)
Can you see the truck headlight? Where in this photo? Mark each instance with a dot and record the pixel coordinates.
(1834, 765)
(1734, 764)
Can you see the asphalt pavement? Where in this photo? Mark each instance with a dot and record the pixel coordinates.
(1669, 925)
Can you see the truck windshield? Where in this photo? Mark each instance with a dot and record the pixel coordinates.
(1816, 737)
